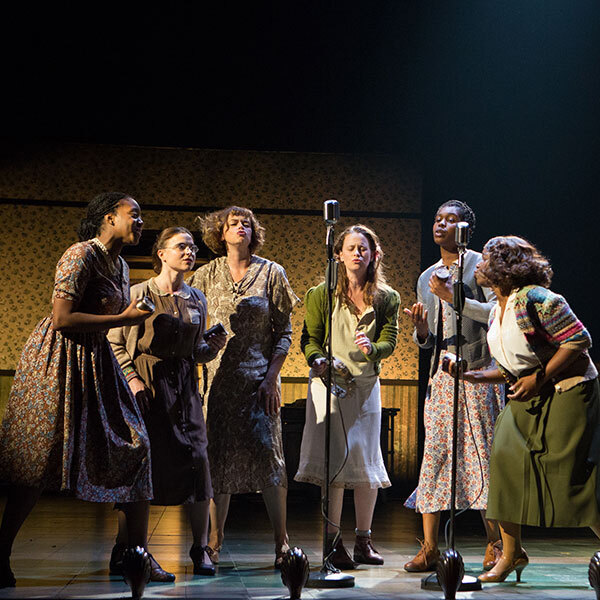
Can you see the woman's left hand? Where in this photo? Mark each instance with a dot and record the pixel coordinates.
(363, 342)
(269, 396)
(524, 388)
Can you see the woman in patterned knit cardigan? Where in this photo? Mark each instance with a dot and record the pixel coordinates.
(543, 466)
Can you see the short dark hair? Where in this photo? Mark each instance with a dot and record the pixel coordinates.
(466, 213)
(101, 205)
(512, 262)
(161, 239)
(214, 223)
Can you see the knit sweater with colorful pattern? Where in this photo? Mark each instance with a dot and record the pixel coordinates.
(547, 322)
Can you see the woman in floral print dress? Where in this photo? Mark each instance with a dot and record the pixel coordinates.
(251, 296)
(71, 422)
(435, 328)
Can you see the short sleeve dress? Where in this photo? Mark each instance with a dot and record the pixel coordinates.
(245, 446)
(163, 351)
(71, 422)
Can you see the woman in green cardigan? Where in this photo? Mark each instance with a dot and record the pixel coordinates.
(365, 327)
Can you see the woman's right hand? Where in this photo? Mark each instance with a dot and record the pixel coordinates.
(418, 315)
(319, 366)
(141, 393)
(132, 315)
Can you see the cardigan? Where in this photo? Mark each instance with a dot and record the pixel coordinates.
(548, 323)
(316, 327)
(479, 301)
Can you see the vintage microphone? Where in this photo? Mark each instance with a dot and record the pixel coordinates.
(450, 573)
(329, 576)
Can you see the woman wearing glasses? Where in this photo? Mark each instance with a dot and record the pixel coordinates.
(159, 360)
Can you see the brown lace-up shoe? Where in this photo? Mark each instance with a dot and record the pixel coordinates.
(426, 559)
(340, 558)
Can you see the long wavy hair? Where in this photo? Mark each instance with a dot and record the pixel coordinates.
(214, 223)
(375, 276)
(513, 262)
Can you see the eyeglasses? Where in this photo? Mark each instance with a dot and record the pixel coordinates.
(182, 247)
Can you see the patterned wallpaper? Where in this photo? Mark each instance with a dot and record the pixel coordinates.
(34, 237)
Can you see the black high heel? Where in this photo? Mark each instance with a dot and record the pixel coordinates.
(197, 554)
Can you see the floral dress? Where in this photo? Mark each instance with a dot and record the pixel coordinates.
(478, 407)
(71, 422)
(245, 446)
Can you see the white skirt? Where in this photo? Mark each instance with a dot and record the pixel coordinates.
(356, 418)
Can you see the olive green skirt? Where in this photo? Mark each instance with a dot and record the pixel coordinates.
(543, 464)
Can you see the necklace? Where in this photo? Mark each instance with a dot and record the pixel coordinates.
(112, 264)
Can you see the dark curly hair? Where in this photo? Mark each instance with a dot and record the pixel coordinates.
(375, 276)
(213, 225)
(161, 239)
(101, 205)
(511, 262)
(466, 213)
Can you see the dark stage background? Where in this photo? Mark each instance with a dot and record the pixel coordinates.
(496, 101)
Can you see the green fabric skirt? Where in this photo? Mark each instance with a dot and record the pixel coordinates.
(543, 466)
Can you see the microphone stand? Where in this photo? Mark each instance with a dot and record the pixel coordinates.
(329, 576)
(449, 575)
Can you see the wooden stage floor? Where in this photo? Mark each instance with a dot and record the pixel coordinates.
(64, 547)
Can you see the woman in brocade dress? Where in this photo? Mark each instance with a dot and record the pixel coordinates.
(89, 438)
(253, 299)
(158, 358)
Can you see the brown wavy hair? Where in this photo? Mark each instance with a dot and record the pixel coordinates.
(375, 276)
(161, 240)
(512, 263)
(213, 225)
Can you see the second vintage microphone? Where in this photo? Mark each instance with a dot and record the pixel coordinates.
(331, 211)
(461, 234)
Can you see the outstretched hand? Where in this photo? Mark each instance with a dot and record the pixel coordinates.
(418, 314)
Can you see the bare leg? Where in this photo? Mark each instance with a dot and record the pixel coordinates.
(19, 503)
(431, 527)
(364, 505)
(491, 528)
(219, 508)
(275, 498)
(198, 515)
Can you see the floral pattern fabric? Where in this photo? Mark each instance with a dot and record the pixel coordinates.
(71, 422)
(478, 408)
(245, 446)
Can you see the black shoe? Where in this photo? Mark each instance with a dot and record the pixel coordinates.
(202, 567)
(115, 567)
(158, 574)
(7, 578)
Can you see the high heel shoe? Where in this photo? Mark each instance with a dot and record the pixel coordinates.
(202, 567)
(213, 554)
(279, 554)
(115, 566)
(157, 573)
(497, 576)
(493, 552)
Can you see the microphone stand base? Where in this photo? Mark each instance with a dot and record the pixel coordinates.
(468, 583)
(329, 577)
